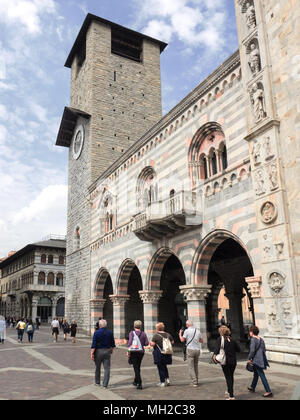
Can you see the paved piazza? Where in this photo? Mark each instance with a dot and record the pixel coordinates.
(45, 370)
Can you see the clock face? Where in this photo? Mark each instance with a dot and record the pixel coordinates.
(78, 142)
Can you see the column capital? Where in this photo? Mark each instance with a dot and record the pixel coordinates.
(97, 302)
(195, 292)
(150, 296)
(119, 300)
(254, 286)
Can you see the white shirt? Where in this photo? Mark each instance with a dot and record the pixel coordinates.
(55, 323)
(192, 343)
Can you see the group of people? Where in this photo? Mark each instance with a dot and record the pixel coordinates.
(103, 344)
(63, 325)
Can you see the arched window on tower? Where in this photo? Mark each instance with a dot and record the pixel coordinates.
(224, 158)
(147, 190)
(214, 166)
(77, 238)
(107, 213)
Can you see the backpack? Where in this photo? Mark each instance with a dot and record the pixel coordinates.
(167, 346)
(136, 343)
(29, 328)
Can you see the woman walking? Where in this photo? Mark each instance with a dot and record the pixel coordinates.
(20, 327)
(65, 328)
(137, 341)
(160, 359)
(258, 360)
(55, 329)
(74, 330)
(30, 330)
(230, 348)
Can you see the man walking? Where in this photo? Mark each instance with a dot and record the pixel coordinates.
(101, 351)
(192, 338)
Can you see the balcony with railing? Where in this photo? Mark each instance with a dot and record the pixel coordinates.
(168, 217)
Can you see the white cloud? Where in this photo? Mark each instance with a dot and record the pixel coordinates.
(193, 22)
(26, 12)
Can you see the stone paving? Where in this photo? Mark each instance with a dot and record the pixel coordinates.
(44, 370)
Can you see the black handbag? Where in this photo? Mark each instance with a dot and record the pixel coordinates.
(249, 367)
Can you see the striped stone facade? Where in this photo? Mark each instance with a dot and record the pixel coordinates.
(206, 188)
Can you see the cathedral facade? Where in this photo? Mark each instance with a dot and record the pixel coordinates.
(165, 211)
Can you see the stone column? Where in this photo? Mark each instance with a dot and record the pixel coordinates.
(119, 317)
(96, 308)
(236, 314)
(150, 300)
(195, 297)
(34, 305)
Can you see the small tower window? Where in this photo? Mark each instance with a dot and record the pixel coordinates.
(125, 44)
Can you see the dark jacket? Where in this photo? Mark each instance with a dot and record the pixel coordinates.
(230, 347)
(103, 339)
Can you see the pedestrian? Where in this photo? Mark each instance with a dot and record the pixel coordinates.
(55, 329)
(60, 323)
(97, 324)
(223, 322)
(161, 359)
(192, 338)
(2, 329)
(101, 351)
(20, 327)
(66, 328)
(74, 330)
(258, 360)
(230, 347)
(136, 343)
(37, 323)
(30, 330)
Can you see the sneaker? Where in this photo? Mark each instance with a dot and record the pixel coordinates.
(161, 384)
(139, 387)
(230, 398)
(97, 384)
(268, 395)
(167, 382)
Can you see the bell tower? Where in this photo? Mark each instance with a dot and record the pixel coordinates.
(115, 99)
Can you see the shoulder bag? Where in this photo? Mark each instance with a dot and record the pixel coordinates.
(221, 357)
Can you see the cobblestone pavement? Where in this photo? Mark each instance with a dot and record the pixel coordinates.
(44, 370)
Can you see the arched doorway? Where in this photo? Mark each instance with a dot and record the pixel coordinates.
(228, 267)
(108, 312)
(172, 309)
(101, 305)
(134, 308)
(60, 307)
(44, 309)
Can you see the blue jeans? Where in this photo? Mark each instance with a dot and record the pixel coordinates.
(20, 335)
(259, 372)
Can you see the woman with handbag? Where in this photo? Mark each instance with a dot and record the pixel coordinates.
(257, 361)
(136, 343)
(225, 354)
(160, 357)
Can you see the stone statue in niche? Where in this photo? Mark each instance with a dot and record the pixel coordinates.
(268, 212)
(254, 59)
(276, 282)
(273, 176)
(258, 102)
(259, 177)
(250, 16)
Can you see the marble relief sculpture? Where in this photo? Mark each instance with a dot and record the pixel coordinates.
(250, 16)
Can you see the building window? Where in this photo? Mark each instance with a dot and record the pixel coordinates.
(147, 189)
(207, 152)
(59, 279)
(125, 44)
(41, 278)
(77, 238)
(61, 259)
(50, 279)
(43, 258)
(50, 259)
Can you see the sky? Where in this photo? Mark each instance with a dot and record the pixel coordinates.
(36, 37)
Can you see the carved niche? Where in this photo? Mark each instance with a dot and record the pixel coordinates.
(254, 59)
(257, 98)
(276, 282)
(268, 212)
